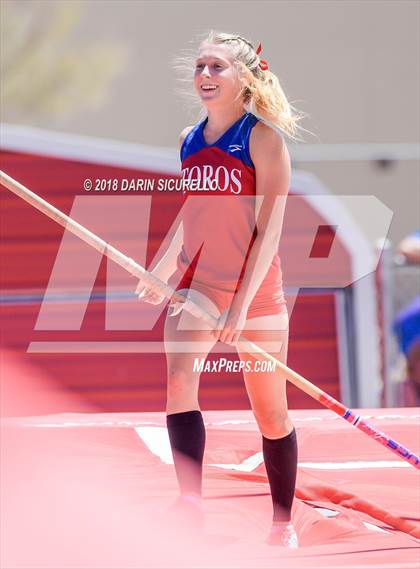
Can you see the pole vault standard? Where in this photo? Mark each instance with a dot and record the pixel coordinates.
(157, 285)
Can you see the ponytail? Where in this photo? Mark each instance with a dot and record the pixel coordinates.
(262, 93)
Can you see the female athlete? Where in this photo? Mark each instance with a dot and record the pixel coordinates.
(224, 256)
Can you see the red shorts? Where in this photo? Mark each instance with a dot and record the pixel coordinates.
(266, 301)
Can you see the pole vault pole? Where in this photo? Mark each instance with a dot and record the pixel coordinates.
(157, 285)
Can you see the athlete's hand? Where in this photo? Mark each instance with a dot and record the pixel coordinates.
(230, 325)
(145, 293)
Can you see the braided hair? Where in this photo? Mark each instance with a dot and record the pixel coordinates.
(262, 93)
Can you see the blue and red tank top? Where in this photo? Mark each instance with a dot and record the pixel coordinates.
(219, 208)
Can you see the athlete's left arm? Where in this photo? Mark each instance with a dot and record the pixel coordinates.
(273, 171)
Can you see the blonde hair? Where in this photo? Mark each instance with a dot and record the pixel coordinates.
(262, 93)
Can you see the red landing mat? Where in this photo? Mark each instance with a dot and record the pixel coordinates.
(90, 490)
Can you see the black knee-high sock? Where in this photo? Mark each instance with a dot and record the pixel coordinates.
(187, 436)
(280, 457)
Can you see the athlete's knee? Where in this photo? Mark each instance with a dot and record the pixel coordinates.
(180, 380)
(273, 423)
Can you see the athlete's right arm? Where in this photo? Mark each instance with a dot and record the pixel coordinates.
(167, 264)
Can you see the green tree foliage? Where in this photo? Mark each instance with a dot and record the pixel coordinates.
(45, 68)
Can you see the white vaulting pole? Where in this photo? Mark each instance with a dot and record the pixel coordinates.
(168, 292)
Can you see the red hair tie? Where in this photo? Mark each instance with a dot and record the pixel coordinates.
(262, 64)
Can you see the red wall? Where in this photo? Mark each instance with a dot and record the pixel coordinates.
(127, 381)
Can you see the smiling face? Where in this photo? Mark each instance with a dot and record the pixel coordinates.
(216, 77)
